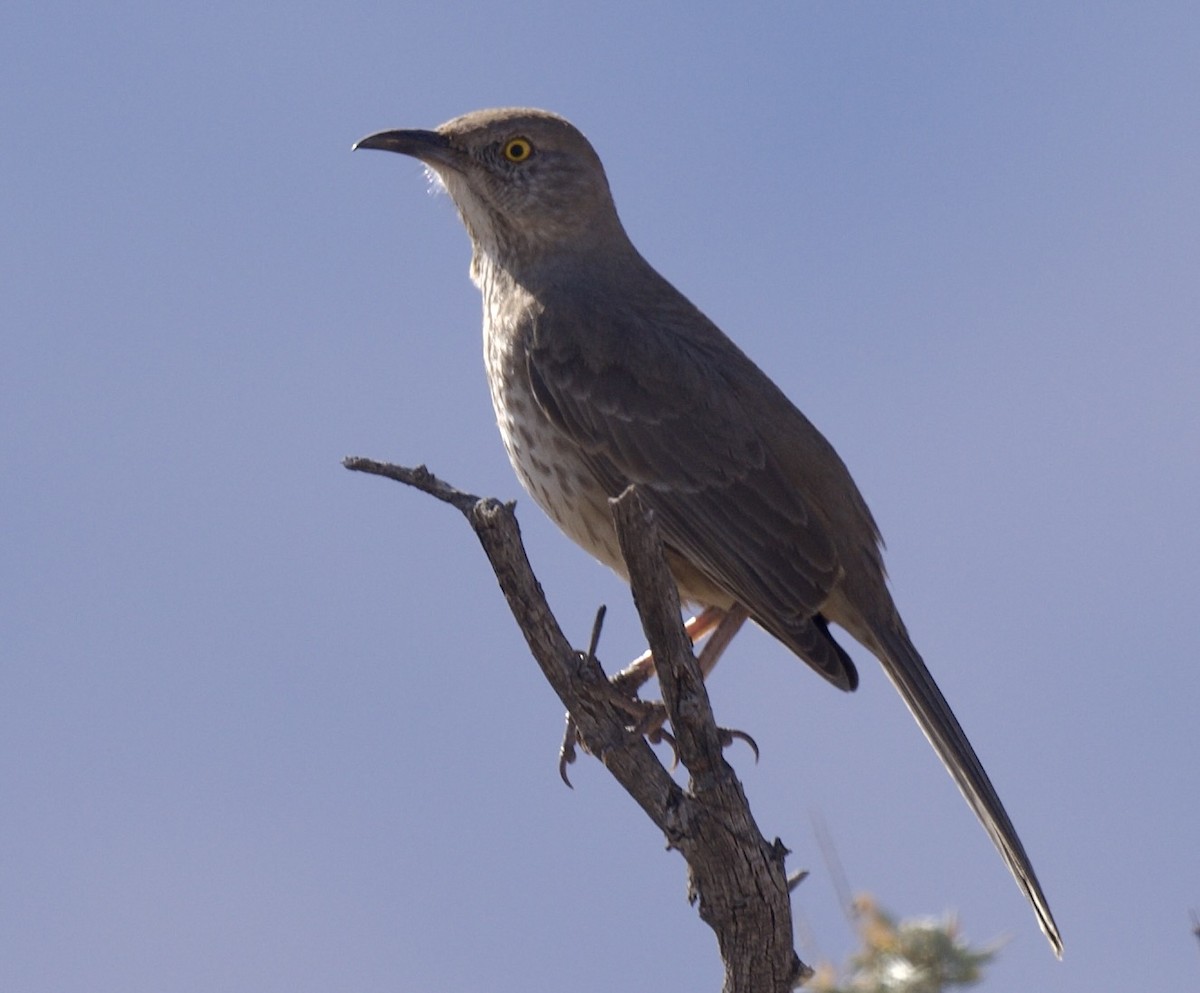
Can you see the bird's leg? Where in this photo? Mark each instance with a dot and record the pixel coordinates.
(722, 633)
(720, 626)
(728, 625)
(708, 621)
(645, 718)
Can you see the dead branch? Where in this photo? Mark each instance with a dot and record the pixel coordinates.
(736, 876)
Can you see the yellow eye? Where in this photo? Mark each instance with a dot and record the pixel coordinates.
(517, 149)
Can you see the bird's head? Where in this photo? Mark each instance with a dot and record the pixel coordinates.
(527, 183)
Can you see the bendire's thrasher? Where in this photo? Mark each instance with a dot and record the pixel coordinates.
(603, 374)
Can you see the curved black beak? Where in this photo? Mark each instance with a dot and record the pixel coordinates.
(428, 146)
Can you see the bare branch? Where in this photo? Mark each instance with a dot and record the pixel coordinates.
(577, 679)
(735, 874)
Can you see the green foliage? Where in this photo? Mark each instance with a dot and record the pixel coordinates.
(920, 955)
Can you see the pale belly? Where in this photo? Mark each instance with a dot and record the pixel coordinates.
(550, 468)
(547, 465)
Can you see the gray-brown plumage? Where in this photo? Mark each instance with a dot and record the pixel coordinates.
(602, 374)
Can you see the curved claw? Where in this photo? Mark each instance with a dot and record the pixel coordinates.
(657, 735)
(729, 735)
(566, 751)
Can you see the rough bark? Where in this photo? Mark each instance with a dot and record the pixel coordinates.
(734, 873)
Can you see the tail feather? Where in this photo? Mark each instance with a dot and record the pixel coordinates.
(908, 674)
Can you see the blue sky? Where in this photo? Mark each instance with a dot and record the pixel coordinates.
(265, 724)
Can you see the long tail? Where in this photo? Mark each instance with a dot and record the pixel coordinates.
(908, 674)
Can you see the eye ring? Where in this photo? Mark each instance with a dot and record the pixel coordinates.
(517, 149)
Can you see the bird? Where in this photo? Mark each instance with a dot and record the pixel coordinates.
(602, 375)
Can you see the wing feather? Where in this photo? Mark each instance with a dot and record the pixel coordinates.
(667, 409)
